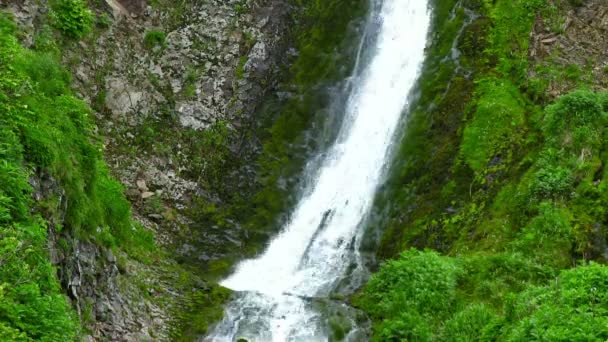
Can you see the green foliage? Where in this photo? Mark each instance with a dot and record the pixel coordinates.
(522, 201)
(576, 121)
(574, 308)
(240, 7)
(154, 38)
(72, 17)
(198, 309)
(409, 294)
(7, 25)
(497, 123)
(425, 297)
(240, 68)
(44, 72)
(509, 37)
(31, 305)
(474, 323)
(489, 278)
(45, 130)
(548, 237)
(551, 179)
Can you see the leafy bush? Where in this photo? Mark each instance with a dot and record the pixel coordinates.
(576, 120)
(552, 180)
(72, 17)
(574, 308)
(474, 323)
(30, 298)
(490, 278)
(409, 294)
(44, 72)
(154, 38)
(549, 236)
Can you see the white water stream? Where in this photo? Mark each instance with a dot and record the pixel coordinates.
(317, 246)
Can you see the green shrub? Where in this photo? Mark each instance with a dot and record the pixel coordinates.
(576, 120)
(44, 72)
(574, 308)
(490, 278)
(549, 236)
(410, 293)
(474, 323)
(72, 17)
(7, 24)
(407, 326)
(552, 180)
(154, 38)
(31, 304)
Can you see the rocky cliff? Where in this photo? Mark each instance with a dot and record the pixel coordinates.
(174, 86)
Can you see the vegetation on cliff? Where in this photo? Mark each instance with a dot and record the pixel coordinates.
(505, 183)
(56, 192)
(45, 130)
(492, 219)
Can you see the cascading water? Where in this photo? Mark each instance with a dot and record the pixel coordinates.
(318, 245)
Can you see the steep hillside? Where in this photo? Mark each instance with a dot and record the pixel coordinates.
(67, 232)
(146, 146)
(501, 173)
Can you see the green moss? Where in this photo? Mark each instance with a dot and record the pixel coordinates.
(497, 126)
(197, 310)
(511, 194)
(240, 68)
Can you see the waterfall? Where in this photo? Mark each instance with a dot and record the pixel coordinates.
(319, 243)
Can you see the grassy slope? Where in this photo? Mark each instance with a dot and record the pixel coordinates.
(508, 188)
(46, 130)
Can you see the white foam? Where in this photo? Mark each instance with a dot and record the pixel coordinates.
(315, 247)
